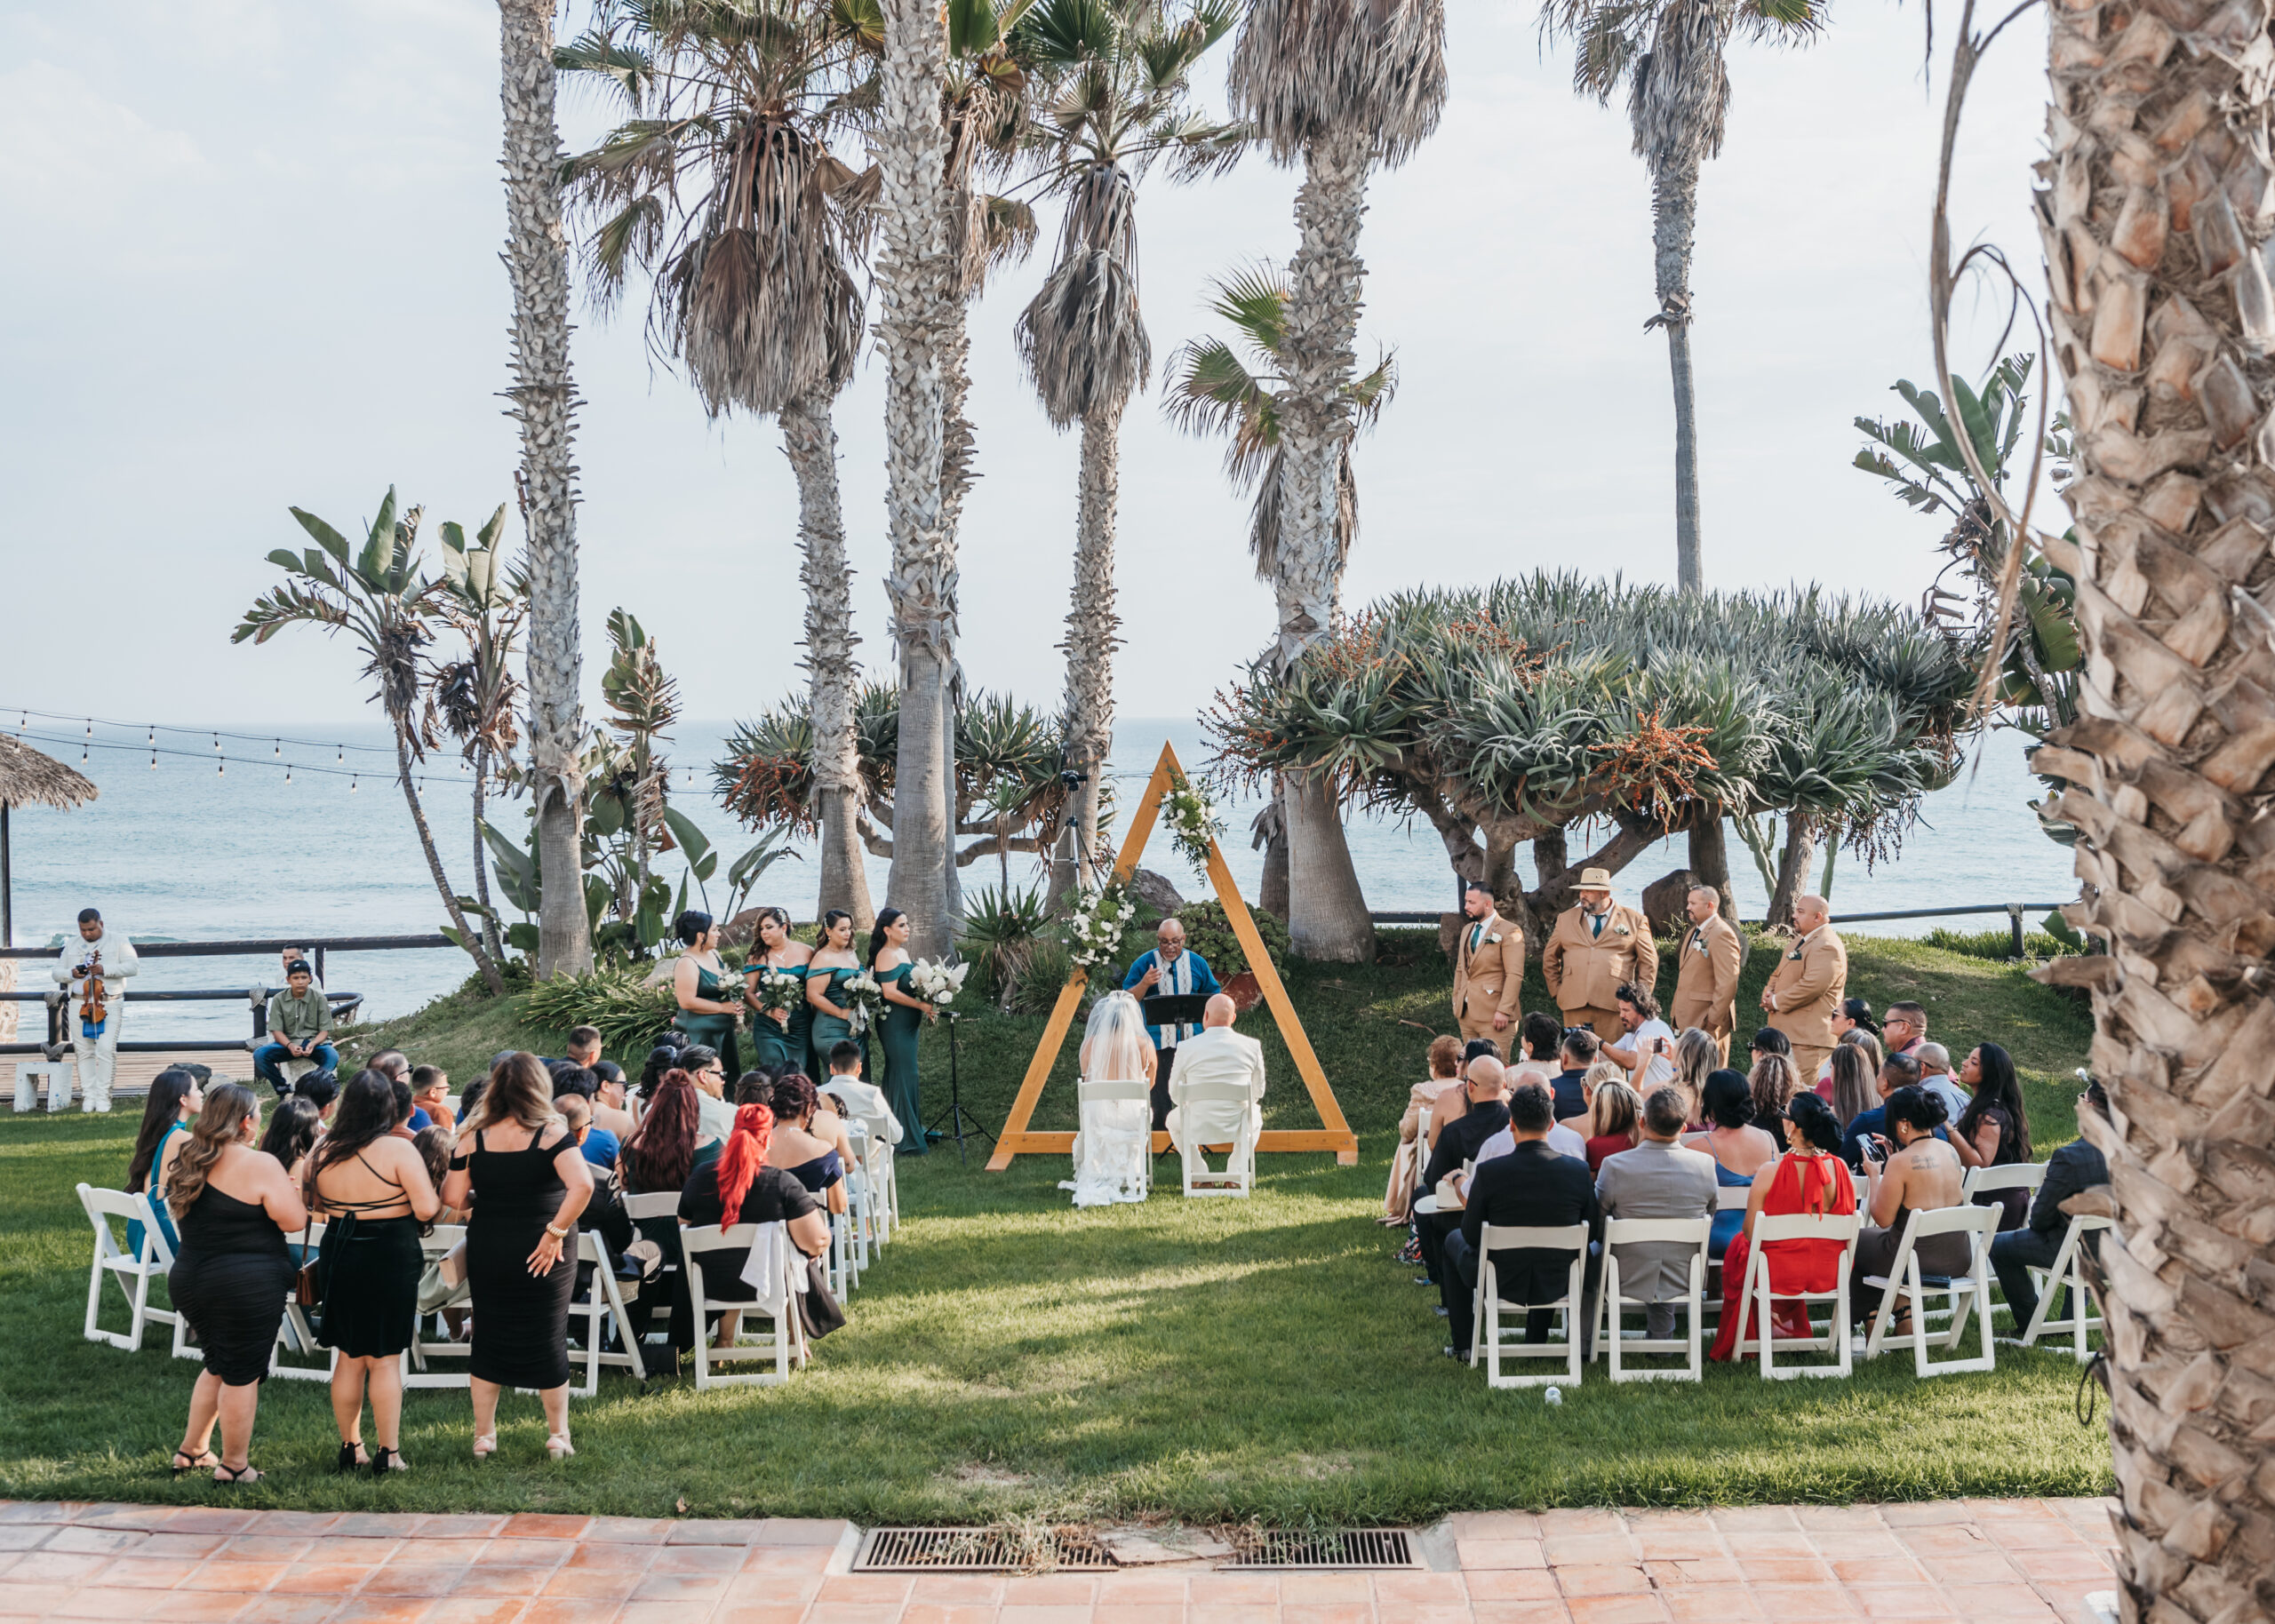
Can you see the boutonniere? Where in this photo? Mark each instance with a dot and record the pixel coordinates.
(1621, 930)
(1494, 937)
(1795, 955)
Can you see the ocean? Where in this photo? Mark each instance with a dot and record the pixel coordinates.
(213, 843)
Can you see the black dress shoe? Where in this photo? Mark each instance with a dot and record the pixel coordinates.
(1459, 1356)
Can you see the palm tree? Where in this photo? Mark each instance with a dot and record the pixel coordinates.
(750, 290)
(544, 403)
(1669, 56)
(1114, 78)
(471, 697)
(376, 595)
(2161, 318)
(1342, 85)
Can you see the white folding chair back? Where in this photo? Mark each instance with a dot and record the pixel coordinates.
(1964, 1292)
(1622, 1231)
(1732, 1198)
(784, 1343)
(1217, 1113)
(601, 1307)
(2067, 1271)
(1840, 1226)
(133, 1271)
(2015, 1176)
(1494, 1341)
(295, 1335)
(1128, 1134)
(663, 1204)
(418, 1371)
(877, 1158)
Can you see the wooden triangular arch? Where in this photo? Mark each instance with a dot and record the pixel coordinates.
(1335, 1135)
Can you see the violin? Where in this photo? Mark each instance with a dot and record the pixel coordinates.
(92, 1008)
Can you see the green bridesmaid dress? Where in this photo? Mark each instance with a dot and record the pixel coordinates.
(771, 1045)
(898, 1030)
(824, 1032)
(717, 1030)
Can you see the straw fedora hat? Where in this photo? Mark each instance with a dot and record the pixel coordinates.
(1595, 879)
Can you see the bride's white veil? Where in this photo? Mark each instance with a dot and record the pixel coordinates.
(1115, 1042)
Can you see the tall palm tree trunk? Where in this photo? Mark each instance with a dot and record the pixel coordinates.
(1092, 623)
(1792, 867)
(1674, 221)
(490, 942)
(544, 403)
(915, 315)
(809, 440)
(482, 961)
(2158, 141)
(1327, 911)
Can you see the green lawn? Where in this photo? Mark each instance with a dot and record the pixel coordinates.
(1010, 1357)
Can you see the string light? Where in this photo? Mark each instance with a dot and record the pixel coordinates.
(217, 743)
(221, 767)
(351, 784)
(288, 772)
(279, 752)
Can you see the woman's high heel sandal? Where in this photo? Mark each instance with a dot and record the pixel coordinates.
(236, 1474)
(557, 1446)
(204, 1460)
(485, 1445)
(351, 1456)
(385, 1460)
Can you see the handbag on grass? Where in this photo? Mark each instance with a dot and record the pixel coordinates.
(818, 1310)
(308, 1285)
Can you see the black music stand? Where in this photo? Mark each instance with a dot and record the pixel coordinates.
(1175, 1009)
(957, 1113)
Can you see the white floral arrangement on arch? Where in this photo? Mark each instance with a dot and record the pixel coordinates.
(1094, 930)
(778, 992)
(862, 999)
(937, 984)
(1193, 820)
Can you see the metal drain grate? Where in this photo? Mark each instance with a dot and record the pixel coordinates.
(1350, 1547)
(1003, 1551)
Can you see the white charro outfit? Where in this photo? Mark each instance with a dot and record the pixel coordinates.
(97, 1054)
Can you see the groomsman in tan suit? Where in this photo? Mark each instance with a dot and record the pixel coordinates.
(1809, 983)
(1706, 973)
(1488, 965)
(1598, 944)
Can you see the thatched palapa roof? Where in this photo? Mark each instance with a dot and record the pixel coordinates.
(29, 778)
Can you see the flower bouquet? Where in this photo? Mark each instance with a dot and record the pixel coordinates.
(1094, 931)
(1193, 822)
(862, 999)
(937, 984)
(777, 992)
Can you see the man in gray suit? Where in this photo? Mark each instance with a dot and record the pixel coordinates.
(1657, 1179)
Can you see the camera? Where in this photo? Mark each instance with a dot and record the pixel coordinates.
(1073, 780)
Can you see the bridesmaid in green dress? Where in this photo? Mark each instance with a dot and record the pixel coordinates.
(834, 963)
(904, 1017)
(709, 993)
(779, 1043)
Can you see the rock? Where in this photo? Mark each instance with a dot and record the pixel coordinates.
(1154, 891)
(742, 930)
(1664, 901)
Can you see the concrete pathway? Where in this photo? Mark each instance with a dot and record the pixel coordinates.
(1971, 1560)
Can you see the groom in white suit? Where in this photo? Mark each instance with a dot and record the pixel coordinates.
(1217, 1055)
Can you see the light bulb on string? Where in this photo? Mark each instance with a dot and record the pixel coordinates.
(221, 767)
(343, 753)
(288, 772)
(351, 782)
(279, 752)
(217, 743)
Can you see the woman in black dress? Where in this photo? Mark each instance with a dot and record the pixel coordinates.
(1994, 1130)
(740, 1188)
(528, 1181)
(372, 1191)
(233, 1205)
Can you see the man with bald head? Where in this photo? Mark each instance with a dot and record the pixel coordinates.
(1219, 1055)
(1805, 992)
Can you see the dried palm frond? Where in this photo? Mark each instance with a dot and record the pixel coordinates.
(1303, 69)
(1082, 338)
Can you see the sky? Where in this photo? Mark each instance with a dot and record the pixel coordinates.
(255, 264)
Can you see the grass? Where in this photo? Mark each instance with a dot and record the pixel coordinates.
(1010, 1357)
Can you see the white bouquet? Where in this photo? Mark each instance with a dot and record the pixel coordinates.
(779, 992)
(937, 984)
(862, 999)
(1094, 932)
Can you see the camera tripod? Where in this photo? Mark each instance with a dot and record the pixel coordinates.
(957, 1116)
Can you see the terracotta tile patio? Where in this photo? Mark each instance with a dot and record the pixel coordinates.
(1974, 1560)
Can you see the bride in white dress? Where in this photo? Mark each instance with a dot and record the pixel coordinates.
(1113, 1151)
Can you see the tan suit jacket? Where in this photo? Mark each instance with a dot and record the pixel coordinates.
(1809, 983)
(1583, 969)
(1487, 979)
(1706, 977)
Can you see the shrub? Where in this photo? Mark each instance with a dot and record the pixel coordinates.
(1000, 930)
(1208, 932)
(1998, 943)
(617, 1000)
(1042, 972)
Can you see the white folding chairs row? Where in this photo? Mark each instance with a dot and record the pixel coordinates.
(783, 1342)
(133, 1271)
(1217, 1114)
(2066, 1274)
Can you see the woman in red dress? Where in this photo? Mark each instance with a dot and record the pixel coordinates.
(1809, 1178)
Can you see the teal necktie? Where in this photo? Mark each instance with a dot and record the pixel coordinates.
(1595, 924)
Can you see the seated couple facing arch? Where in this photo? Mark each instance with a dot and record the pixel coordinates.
(1113, 1147)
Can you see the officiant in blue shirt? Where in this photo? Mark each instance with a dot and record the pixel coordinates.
(1168, 970)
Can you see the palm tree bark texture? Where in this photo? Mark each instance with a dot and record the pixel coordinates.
(2155, 214)
(916, 313)
(543, 404)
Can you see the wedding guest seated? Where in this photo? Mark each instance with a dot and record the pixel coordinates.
(867, 1099)
(319, 1089)
(1659, 1178)
(1542, 1035)
(1532, 1187)
(604, 1214)
(1853, 1086)
(1852, 1020)
(1614, 1122)
(1740, 1150)
(1897, 1071)
(1579, 1050)
(1646, 1050)
(661, 1152)
(405, 1109)
(174, 1101)
(1810, 1178)
(809, 1145)
(599, 1145)
(1935, 1076)
(1827, 1086)
(391, 1064)
(1696, 1057)
(1773, 1085)
(1444, 1062)
(612, 1109)
(1486, 1114)
(430, 1091)
(739, 1188)
(1563, 1137)
(1904, 1028)
(292, 1134)
(2071, 1171)
(434, 1147)
(300, 1028)
(1907, 1170)
(583, 1049)
(1994, 1130)
(1217, 1055)
(709, 1075)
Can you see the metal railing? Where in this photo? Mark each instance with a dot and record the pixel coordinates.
(2013, 910)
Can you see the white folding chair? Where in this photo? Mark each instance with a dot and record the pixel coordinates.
(419, 1369)
(601, 1307)
(133, 1271)
(861, 1198)
(1493, 1342)
(2015, 1176)
(1964, 1292)
(1727, 1198)
(2066, 1272)
(1216, 1113)
(1622, 1231)
(658, 1288)
(784, 1343)
(1137, 1179)
(1755, 1288)
(878, 1166)
(295, 1335)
